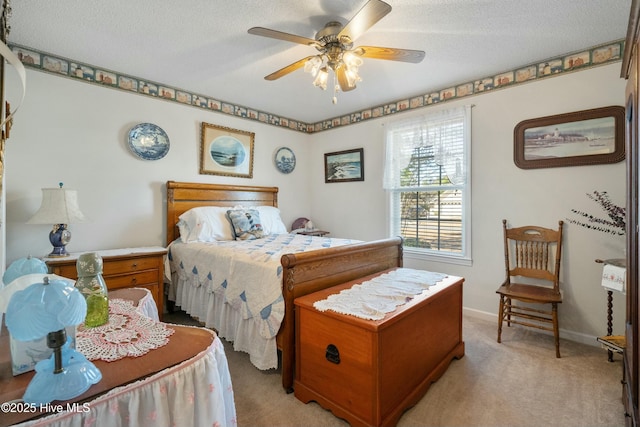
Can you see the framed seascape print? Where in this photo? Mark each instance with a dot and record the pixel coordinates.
(226, 151)
(344, 166)
(588, 137)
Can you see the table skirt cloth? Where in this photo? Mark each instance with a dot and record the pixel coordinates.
(197, 392)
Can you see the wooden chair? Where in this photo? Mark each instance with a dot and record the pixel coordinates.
(529, 254)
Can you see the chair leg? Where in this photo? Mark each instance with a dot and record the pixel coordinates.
(500, 318)
(556, 329)
(508, 314)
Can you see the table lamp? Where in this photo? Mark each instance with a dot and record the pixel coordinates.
(59, 207)
(45, 309)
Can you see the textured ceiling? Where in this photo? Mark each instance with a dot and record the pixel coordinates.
(203, 45)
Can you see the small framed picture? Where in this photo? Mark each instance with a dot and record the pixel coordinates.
(587, 137)
(344, 166)
(225, 151)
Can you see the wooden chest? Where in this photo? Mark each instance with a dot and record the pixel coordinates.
(370, 372)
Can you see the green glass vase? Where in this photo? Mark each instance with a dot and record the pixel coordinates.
(92, 285)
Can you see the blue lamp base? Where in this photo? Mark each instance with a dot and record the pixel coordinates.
(59, 237)
(65, 375)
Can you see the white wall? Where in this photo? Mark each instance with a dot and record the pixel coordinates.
(499, 190)
(76, 133)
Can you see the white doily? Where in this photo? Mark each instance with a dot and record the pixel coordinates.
(373, 299)
(127, 334)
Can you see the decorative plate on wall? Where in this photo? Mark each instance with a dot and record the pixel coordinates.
(148, 141)
(285, 160)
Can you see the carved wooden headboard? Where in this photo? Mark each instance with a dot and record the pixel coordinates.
(182, 196)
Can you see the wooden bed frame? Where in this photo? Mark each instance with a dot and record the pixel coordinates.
(304, 272)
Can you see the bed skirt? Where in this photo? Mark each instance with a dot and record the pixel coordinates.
(212, 309)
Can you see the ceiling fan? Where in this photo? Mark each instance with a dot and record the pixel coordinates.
(335, 44)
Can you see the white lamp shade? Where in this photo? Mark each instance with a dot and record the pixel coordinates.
(59, 206)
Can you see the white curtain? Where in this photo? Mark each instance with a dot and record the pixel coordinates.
(445, 132)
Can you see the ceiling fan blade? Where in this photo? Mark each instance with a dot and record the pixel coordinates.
(341, 74)
(390, 53)
(274, 34)
(288, 69)
(371, 12)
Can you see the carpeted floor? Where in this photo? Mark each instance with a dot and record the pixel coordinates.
(517, 383)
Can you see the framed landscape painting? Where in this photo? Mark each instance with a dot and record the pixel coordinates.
(586, 137)
(344, 166)
(226, 151)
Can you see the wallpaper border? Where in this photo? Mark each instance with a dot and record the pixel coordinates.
(584, 59)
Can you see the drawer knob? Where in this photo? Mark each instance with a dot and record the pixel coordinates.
(135, 265)
(134, 281)
(332, 354)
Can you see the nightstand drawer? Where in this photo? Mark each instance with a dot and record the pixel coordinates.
(69, 271)
(132, 279)
(129, 265)
(111, 267)
(123, 268)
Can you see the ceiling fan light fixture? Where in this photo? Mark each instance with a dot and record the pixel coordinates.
(321, 79)
(352, 76)
(335, 44)
(351, 60)
(313, 65)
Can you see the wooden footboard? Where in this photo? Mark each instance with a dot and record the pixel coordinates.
(304, 272)
(307, 272)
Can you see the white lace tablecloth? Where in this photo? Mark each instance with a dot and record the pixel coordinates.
(127, 334)
(374, 298)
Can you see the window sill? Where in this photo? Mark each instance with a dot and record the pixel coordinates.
(418, 254)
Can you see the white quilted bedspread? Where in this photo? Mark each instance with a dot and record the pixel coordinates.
(247, 273)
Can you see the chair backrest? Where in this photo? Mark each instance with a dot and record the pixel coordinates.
(533, 252)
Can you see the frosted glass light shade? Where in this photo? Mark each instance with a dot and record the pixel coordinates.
(321, 78)
(313, 65)
(44, 307)
(59, 206)
(24, 266)
(23, 282)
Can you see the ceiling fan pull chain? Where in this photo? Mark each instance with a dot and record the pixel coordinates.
(335, 89)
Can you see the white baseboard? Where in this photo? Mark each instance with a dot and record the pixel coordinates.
(565, 334)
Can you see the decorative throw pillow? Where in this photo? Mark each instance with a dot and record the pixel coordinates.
(246, 224)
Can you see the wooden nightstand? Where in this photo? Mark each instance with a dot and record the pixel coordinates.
(122, 268)
(314, 233)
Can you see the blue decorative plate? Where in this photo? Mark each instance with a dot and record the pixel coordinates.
(285, 160)
(148, 141)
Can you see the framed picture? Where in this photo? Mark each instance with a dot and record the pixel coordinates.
(586, 137)
(344, 166)
(226, 151)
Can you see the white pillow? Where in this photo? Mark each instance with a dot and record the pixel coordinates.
(205, 224)
(271, 221)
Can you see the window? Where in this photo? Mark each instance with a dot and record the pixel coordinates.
(426, 174)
